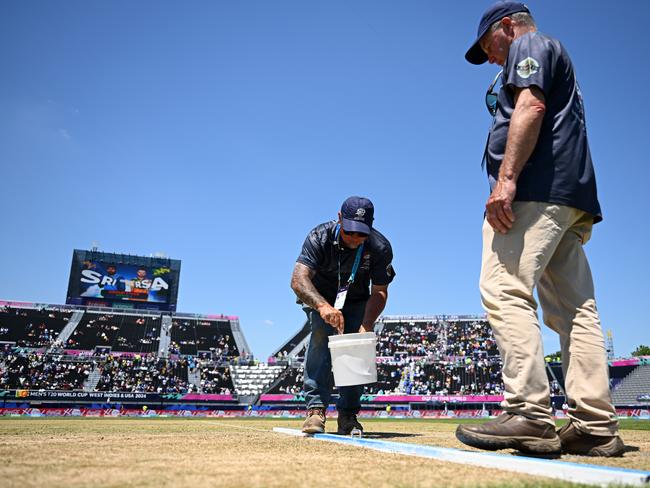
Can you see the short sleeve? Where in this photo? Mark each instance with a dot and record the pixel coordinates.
(381, 269)
(531, 62)
(311, 254)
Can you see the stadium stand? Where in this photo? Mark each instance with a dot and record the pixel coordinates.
(143, 374)
(31, 327)
(295, 346)
(190, 337)
(119, 332)
(94, 330)
(215, 377)
(423, 356)
(289, 382)
(35, 370)
(437, 339)
(110, 350)
(480, 377)
(254, 379)
(633, 387)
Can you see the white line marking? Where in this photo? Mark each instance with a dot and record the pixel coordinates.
(577, 473)
(245, 427)
(294, 432)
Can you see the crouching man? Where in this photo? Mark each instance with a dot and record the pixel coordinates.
(331, 278)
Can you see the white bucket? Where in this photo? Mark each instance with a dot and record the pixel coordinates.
(354, 358)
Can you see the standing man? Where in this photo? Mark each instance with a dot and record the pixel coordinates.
(331, 279)
(542, 206)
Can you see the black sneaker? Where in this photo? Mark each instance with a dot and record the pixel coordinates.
(575, 441)
(347, 422)
(511, 431)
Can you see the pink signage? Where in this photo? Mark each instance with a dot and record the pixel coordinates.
(278, 398)
(625, 362)
(438, 398)
(206, 396)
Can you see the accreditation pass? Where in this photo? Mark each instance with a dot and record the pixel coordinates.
(340, 297)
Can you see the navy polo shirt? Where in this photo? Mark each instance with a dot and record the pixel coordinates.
(560, 169)
(322, 252)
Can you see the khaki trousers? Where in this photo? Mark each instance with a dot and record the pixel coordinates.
(544, 250)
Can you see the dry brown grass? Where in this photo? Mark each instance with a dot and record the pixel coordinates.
(240, 452)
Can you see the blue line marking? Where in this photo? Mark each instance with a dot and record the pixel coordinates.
(403, 448)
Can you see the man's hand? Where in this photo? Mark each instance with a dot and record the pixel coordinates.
(367, 328)
(332, 316)
(498, 209)
(523, 133)
(374, 306)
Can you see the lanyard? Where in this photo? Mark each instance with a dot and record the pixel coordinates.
(357, 259)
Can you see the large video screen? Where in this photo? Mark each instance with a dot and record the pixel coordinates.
(102, 278)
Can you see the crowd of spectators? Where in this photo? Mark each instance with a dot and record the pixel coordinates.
(94, 330)
(36, 371)
(403, 340)
(145, 374)
(31, 327)
(191, 337)
(437, 340)
(430, 357)
(215, 377)
(425, 357)
(291, 383)
(438, 357)
(27, 369)
(459, 377)
(103, 342)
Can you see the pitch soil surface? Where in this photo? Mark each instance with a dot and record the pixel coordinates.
(120, 452)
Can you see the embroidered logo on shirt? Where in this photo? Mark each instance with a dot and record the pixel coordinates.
(527, 67)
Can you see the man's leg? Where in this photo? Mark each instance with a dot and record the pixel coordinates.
(512, 264)
(566, 294)
(318, 372)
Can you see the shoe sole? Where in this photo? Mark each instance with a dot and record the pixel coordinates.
(614, 448)
(529, 445)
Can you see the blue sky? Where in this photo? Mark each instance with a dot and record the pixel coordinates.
(221, 132)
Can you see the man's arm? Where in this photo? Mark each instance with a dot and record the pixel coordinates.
(374, 306)
(523, 133)
(303, 287)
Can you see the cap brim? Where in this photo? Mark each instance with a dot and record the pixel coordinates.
(475, 54)
(355, 226)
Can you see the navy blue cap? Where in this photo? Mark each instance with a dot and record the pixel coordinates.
(357, 214)
(495, 12)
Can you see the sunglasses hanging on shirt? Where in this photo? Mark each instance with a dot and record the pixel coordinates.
(491, 96)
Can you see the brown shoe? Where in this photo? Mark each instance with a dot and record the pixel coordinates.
(575, 441)
(315, 421)
(511, 431)
(347, 422)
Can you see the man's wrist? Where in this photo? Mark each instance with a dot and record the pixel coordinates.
(508, 177)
